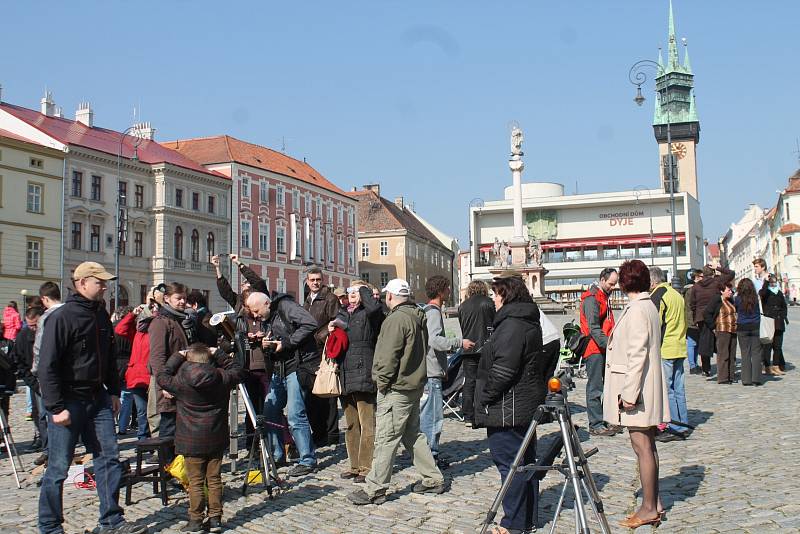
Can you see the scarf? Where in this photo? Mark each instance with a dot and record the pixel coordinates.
(352, 307)
(774, 289)
(186, 319)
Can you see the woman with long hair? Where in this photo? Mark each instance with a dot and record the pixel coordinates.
(635, 395)
(748, 323)
(509, 387)
(774, 306)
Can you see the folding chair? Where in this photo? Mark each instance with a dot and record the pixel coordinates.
(452, 387)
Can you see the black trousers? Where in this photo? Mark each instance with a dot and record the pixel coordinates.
(706, 346)
(323, 418)
(470, 363)
(257, 387)
(521, 502)
(776, 348)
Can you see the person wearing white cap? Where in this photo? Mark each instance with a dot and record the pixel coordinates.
(400, 374)
(80, 391)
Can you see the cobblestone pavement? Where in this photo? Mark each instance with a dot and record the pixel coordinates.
(735, 474)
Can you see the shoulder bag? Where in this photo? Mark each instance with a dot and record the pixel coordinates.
(766, 329)
(327, 383)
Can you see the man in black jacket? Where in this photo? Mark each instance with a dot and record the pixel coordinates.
(80, 388)
(475, 315)
(22, 357)
(290, 343)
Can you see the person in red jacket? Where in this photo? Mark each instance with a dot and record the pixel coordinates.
(597, 321)
(12, 322)
(137, 377)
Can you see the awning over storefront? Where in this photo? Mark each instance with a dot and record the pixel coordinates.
(612, 241)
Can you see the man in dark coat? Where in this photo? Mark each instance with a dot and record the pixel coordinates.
(704, 291)
(475, 315)
(323, 305)
(22, 357)
(80, 389)
(290, 343)
(201, 386)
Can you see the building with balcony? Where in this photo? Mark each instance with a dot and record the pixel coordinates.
(579, 235)
(31, 208)
(285, 215)
(394, 243)
(173, 212)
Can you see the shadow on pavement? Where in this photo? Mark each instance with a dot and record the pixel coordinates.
(680, 486)
(698, 417)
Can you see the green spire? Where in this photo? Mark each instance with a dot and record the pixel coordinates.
(693, 111)
(672, 54)
(687, 67)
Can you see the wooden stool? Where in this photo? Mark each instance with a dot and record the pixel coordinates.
(163, 447)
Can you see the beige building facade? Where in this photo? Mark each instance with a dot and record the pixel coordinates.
(31, 193)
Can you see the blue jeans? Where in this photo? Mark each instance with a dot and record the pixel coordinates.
(521, 502)
(94, 422)
(131, 398)
(288, 392)
(673, 376)
(28, 400)
(595, 378)
(431, 414)
(691, 349)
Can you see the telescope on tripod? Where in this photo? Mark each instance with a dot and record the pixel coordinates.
(240, 346)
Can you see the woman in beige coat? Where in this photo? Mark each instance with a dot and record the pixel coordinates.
(635, 395)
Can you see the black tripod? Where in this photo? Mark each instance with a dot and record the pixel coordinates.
(8, 440)
(574, 466)
(266, 466)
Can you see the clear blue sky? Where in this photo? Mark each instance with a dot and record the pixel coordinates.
(418, 95)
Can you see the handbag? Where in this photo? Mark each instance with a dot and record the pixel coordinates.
(327, 383)
(766, 327)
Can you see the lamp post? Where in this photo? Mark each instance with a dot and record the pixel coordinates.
(474, 203)
(637, 192)
(637, 77)
(121, 218)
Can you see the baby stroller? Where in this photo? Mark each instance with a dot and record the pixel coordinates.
(573, 349)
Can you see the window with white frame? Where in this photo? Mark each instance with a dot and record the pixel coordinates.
(34, 254)
(263, 237)
(330, 247)
(246, 188)
(310, 245)
(339, 214)
(384, 248)
(280, 239)
(281, 285)
(320, 244)
(308, 204)
(298, 243)
(350, 251)
(384, 279)
(34, 198)
(330, 211)
(245, 231)
(295, 200)
(351, 217)
(318, 212)
(365, 250)
(264, 192)
(340, 250)
(280, 196)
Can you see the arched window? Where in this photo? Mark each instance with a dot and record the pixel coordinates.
(210, 245)
(195, 245)
(178, 246)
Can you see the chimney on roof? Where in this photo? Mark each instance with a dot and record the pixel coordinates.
(59, 112)
(144, 130)
(84, 114)
(398, 201)
(375, 188)
(47, 106)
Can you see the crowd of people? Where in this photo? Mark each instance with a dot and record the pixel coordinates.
(161, 368)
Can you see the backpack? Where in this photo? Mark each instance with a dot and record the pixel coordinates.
(657, 297)
(576, 343)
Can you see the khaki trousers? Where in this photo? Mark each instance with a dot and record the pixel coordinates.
(204, 470)
(397, 420)
(153, 416)
(359, 437)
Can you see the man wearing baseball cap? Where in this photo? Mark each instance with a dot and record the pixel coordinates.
(80, 390)
(399, 371)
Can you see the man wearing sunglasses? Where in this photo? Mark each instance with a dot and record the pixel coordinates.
(80, 389)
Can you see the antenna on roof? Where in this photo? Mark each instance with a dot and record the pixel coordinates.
(283, 144)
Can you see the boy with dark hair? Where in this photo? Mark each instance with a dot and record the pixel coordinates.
(200, 380)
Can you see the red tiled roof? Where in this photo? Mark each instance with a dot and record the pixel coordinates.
(789, 228)
(713, 250)
(794, 183)
(377, 214)
(72, 132)
(224, 149)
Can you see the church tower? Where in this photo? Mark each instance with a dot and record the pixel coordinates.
(675, 105)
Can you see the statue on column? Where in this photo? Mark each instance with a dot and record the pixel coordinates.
(496, 252)
(534, 252)
(516, 141)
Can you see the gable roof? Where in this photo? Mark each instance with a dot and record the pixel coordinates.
(226, 149)
(377, 214)
(789, 228)
(794, 183)
(71, 132)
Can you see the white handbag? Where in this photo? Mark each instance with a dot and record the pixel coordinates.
(766, 329)
(327, 383)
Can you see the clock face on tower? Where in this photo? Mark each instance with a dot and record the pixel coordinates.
(679, 149)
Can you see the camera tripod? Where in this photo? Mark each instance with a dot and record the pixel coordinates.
(11, 447)
(574, 467)
(266, 463)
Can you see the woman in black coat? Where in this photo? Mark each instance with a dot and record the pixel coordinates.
(509, 388)
(362, 321)
(774, 305)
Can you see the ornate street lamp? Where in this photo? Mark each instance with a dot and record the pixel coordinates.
(637, 77)
(121, 216)
(474, 203)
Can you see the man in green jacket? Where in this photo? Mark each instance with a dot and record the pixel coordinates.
(400, 373)
(672, 314)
